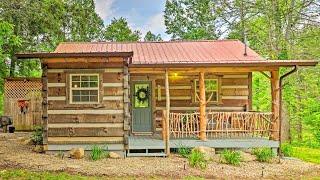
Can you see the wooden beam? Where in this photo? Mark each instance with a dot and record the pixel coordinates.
(167, 145)
(275, 93)
(202, 100)
(44, 80)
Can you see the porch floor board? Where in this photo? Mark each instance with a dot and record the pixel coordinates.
(150, 142)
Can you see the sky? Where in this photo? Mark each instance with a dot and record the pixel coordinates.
(143, 15)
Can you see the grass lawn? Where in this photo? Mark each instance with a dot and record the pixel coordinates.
(307, 154)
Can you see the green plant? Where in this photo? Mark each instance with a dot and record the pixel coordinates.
(36, 135)
(98, 152)
(231, 157)
(197, 159)
(263, 154)
(184, 151)
(287, 149)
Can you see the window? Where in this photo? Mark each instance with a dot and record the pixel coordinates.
(211, 89)
(84, 88)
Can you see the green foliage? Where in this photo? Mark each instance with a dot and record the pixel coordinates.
(307, 154)
(263, 154)
(98, 152)
(287, 149)
(186, 19)
(36, 135)
(24, 174)
(231, 157)
(152, 37)
(197, 159)
(184, 151)
(119, 30)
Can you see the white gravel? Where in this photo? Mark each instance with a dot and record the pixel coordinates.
(14, 154)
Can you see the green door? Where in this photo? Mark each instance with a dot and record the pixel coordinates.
(141, 106)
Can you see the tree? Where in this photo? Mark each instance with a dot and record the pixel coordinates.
(43, 24)
(7, 39)
(152, 37)
(119, 30)
(190, 19)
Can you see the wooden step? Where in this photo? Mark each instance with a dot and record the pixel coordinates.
(146, 155)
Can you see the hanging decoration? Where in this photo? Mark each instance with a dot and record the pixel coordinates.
(23, 105)
(142, 94)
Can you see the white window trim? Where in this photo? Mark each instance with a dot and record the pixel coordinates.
(87, 88)
(196, 91)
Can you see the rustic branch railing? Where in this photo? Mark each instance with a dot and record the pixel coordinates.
(222, 124)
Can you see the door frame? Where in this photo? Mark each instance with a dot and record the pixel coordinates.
(150, 82)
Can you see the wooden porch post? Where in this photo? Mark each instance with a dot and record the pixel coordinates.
(275, 93)
(202, 100)
(167, 114)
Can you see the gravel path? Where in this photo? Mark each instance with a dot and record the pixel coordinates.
(14, 154)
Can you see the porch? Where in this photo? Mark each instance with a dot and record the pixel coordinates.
(223, 130)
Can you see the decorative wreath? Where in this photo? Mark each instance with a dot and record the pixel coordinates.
(142, 94)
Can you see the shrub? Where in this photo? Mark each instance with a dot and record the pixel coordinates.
(36, 135)
(286, 149)
(97, 152)
(263, 154)
(231, 157)
(197, 159)
(184, 151)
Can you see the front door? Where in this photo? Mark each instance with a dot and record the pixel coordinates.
(141, 106)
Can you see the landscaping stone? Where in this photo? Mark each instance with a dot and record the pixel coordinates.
(38, 149)
(114, 155)
(76, 153)
(207, 151)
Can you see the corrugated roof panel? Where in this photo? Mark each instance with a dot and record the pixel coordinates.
(214, 51)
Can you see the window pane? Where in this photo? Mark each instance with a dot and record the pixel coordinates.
(84, 93)
(214, 95)
(75, 78)
(85, 84)
(93, 92)
(76, 92)
(93, 84)
(84, 78)
(94, 98)
(75, 84)
(84, 98)
(76, 98)
(93, 78)
(211, 85)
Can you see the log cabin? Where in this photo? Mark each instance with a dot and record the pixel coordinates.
(145, 98)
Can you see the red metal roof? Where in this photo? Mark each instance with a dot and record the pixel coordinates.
(169, 52)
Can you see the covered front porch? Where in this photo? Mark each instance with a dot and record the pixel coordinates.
(223, 130)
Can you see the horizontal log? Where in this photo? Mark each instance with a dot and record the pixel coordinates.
(86, 132)
(87, 147)
(86, 125)
(56, 91)
(163, 98)
(235, 76)
(113, 91)
(178, 87)
(89, 65)
(178, 92)
(56, 77)
(88, 111)
(85, 118)
(113, 70)
(242, 81)
(235, 92)
(112, 98)
(85, 140)
(55, 70)
(110, 104)
(112, 77)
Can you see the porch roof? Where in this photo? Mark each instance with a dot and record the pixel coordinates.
(170, 53)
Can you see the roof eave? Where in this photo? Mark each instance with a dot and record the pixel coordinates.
(72, 55)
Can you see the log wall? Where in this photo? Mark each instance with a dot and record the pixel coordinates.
(83, 125)
(234, 93)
